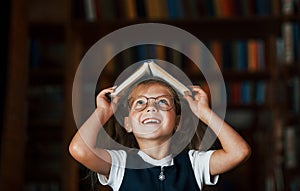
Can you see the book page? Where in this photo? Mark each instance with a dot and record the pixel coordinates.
(156, 70)
(144, 69)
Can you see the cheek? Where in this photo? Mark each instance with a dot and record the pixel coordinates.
(171, 119)
(133, 118)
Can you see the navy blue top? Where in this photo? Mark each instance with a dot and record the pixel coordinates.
(179, 176)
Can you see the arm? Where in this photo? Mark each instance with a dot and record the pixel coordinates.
(235, 149)
(82, 147)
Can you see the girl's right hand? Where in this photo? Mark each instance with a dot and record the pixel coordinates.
(104, 104)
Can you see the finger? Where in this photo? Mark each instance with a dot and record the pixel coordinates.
(106, 91)
(115, 100)
(199, 90)
(188, 96)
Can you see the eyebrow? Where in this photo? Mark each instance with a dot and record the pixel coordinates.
(151, 96)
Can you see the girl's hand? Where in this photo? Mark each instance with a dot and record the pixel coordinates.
(199, 104)
(104, 104)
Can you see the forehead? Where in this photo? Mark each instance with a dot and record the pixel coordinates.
(153, 89)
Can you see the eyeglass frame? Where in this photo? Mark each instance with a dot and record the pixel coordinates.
(147, 103)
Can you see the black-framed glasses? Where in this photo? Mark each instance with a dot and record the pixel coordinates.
(163, 102)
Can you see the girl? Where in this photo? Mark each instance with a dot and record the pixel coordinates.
(153, 118)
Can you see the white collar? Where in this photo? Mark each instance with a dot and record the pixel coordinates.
(166, 161)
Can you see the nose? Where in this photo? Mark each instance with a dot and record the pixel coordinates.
(152, 106)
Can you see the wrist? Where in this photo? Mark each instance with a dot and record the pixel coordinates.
(205, 115)
(103, 114)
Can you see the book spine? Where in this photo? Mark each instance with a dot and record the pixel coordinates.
(194, 51)
(142, 52)
(260, 92)
(175, 9)
(280, 50)
(108, 52)
(294, 95)
(252, 55)
(216, 49)
(263, 7)
(290, 147)
(151, 9)
(246, 92)
(90, 10)
(229, 8)
(241, 50)
(227, 55)
(276, 7)
(209, 6)
(261, 61)
(79, 12)
(244, 8)
(287, 7)
(160, 52)
(141, 8)
(287, 33)
(191, 9)
(108, 9)
(130, 9)
(296, 40)
(34, 55)
(218, 8)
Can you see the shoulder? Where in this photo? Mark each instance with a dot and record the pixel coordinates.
(200, 154)
(200, 159)
(200, 163)
(118, 157)
(116, 171)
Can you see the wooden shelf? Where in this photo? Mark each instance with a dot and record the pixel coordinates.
(46, 76)
(203, 28)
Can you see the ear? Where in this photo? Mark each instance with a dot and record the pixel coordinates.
(127, 125)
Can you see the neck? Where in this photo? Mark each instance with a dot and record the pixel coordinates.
(156, 150)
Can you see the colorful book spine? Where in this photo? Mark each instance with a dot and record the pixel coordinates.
(130, 9)
(241, 53)
(175, 9)
(252, 55)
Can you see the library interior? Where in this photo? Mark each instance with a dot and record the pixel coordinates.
(254, 42)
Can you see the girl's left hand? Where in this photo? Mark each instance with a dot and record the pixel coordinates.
(199, 104)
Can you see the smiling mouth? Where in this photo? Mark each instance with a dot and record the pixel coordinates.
(151, 121)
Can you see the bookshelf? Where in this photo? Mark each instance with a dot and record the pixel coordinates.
(36, 127)
(263, 99)
(248, 39)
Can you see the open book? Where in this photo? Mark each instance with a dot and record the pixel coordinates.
(148, 69)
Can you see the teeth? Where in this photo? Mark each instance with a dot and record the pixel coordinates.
(147, 121)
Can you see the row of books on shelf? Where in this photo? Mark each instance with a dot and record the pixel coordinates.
(45, 53)
(93, 10)
(240, 55)
(247, 93)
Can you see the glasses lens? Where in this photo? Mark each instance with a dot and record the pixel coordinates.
(164, 102)
(139, 103)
